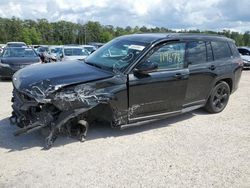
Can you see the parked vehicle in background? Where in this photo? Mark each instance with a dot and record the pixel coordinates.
(2, 47)
(74, 53)
(15, 58)
(245, 55)
(96, 44)
(147, 76)
(15, 44)
(43, 53)
(54, 54)
(90, 48)
(1, 50)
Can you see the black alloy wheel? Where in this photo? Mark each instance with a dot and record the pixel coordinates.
(219, 98)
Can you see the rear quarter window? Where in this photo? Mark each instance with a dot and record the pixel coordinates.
(234, 49)
(221, 50)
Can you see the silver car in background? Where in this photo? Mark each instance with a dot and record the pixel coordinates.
(245, 55)
(54, 53)
(74, 53)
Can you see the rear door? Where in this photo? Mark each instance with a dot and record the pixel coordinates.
(202, 71)
(159, 92)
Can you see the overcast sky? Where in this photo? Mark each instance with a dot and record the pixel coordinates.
(174, 14)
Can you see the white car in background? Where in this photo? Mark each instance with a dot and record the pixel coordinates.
(54, 53)
(245, 55)
(74, 53)
(90, 48)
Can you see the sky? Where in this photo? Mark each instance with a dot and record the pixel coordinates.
(173, 14)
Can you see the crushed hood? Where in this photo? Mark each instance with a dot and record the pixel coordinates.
(52, 76)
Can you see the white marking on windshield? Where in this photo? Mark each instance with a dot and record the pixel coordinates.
(136, 47)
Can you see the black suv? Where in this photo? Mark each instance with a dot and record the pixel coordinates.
(131, 79)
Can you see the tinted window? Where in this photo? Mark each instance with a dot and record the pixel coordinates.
(75, 52)
(196, 52)
(234, 49)
(209, 52)
(169, 56)
(221, 50)
(244, 51)
(19, 52)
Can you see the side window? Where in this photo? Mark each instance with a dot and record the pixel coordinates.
(234, 49)
(169, 56)
(196, 52)
(244, 52)
(221, 50)
(209, 52)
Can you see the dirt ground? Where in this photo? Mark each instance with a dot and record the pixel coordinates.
(196, 149)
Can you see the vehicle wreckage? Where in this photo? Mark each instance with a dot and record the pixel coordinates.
(66, 106)
(131, 79)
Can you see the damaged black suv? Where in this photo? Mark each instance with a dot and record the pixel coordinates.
(131, 79)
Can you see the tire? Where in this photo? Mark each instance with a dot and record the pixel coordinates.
(218, 99)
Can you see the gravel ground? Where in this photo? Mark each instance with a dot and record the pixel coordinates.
(192, 150)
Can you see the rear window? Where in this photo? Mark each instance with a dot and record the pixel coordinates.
(196, 52)
(19, 52)
(244, 51)
(221, 50)
(75, 52)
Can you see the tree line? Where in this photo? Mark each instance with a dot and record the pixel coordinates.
(41, 31)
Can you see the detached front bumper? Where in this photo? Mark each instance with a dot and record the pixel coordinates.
(30, 115)
(27, 113)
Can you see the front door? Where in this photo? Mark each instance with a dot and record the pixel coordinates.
(161, 91)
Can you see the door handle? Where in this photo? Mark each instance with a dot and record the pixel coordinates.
(178, 75)
(212, 67)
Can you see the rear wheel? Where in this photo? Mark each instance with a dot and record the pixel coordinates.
(219, 98)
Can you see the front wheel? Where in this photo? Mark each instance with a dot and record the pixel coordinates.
(219, 98)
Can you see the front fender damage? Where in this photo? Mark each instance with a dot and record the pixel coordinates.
(59, 109)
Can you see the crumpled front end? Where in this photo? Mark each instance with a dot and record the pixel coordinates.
(67, 109)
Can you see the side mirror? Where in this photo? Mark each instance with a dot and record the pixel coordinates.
(146, 67)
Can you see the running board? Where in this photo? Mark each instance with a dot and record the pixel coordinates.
(136, 124)
(191, 108)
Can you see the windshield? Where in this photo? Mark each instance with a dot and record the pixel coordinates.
(56, 50)
(19, 52)
(75, 52)
(89, 48)
(117, 54)
(16, 44)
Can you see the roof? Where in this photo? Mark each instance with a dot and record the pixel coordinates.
(15, 43)
(152, 37)
(17, 47)
(66, 46)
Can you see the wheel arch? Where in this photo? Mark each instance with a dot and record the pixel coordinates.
(229, 81)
